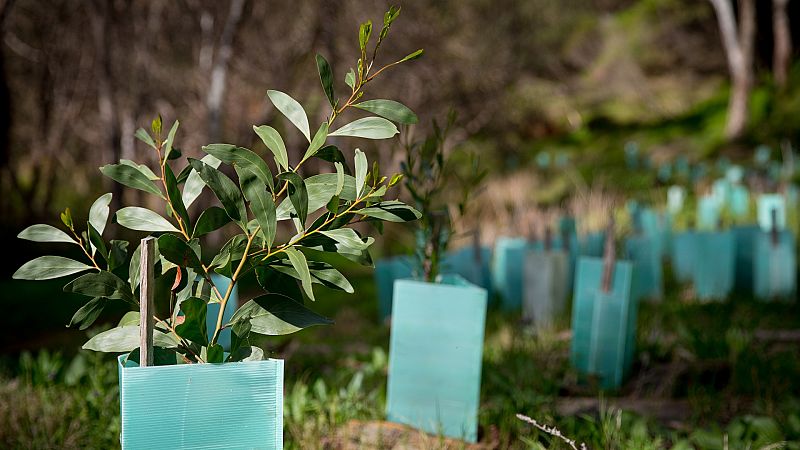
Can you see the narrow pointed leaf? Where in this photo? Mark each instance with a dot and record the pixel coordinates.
(210, 220)
(144, 136)
(361, 172)
(98, 213)
(368, 128)
(318, 141)
(131, 177)
(391, 211)
(226, 191)
(276, 314)
(125, 339)
(168, 144)
(88, 313)
(293, 111)
(101, 284)
(298, 194)
(350, 78)
(194, 183)
(177, 251)
(261, 204)
(44, 233)
(141, 168)
(349, 238)
(389, 109)
(298, 261)
(326, 78)
(413, 56)
(175, 197)
(274, 142)
(244, 158)
(48, 267)
(142, 219)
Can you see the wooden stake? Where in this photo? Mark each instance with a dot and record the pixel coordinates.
(774, 230)
(146, 264)
(609, 255)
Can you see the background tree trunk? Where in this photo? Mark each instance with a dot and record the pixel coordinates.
(738, 43)
(219, 72)
(783, 42)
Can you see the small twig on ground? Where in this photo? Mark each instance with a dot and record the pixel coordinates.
(552, 431)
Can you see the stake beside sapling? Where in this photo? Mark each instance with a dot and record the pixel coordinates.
(321, 208)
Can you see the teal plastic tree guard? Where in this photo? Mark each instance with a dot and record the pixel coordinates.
(683, 255)
(775, 271)
(675, 198)
(734, 174)
(603, 323)
(474, 268)
(739, 203)
(202, 406)
(766, 204)
(708, 213)
(721, 190)
(222, 284)
(648, 278)
(546, 285)
(653, 226)
(745, 237)
(435, 356)
(507, 266)
(386, 272)
(715, 258)
(592, 244)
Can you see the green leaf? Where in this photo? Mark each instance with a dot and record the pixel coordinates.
(194, 184)
(233, 250)
(175, 197)
(350, 78)
(142, 219)
(412, 56)
(339, 178)
(261, 204)
(44, 233)
(101, 284)
(161, 356)
(141, 168)
(318, 141)
(194, 328)
(117, 254)
(276, 314)
(244, 158)
(66, 218)
(97, 241)
(349, 238)
(48, 267)
(272, 139)
(364, 31)
(210, 220)
(361, 172)
(389, 109)
(170, 140)
(144, 136)
(298, 194)
(226, 191)
(332, 154)
(125, 339)
(214, 354)
(177, 251)
(320, 188)
(293, 111)
(250, 353)
(321, 273)
(326, 77)
(368, 128)
(155, 126)
(391, 211)
(131, 177)
(88, 313)
(130, 318)
(298, 261)
(98, 213)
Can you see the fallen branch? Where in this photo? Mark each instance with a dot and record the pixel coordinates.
(551, 431)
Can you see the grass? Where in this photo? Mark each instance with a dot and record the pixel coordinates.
(708, 356)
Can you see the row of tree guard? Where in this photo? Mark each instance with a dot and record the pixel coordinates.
(437, 328)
